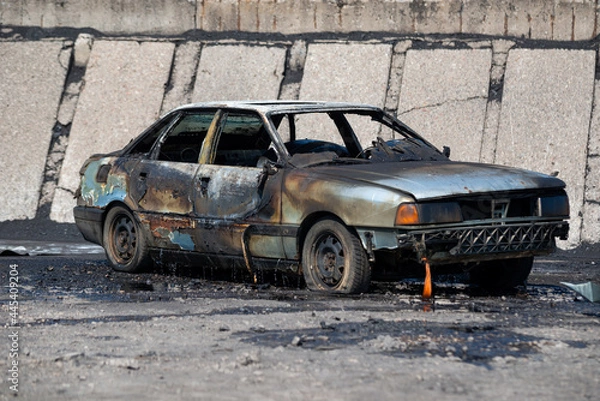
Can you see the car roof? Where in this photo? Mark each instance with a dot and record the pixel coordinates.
(271, 106)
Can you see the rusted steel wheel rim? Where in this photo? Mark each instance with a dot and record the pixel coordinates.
(124, 239)
(333, 259)
(330, 259)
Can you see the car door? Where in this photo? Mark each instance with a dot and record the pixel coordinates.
(236, 201)
(163, 183)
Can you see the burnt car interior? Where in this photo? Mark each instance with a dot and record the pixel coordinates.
(242, 139)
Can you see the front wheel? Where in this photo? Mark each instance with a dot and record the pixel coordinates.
(333, 259)
(124, 242)
(503, 274)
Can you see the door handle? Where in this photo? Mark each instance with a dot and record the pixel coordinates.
(204, 185)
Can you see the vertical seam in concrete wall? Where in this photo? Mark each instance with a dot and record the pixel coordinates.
(195, 23)
(199, 10)
(192, 85)
(238, 17)
(586, 201)
(295, 61)
(60, 137)
(391, 82)
(495, 93)
(595, 32)
(572, 23)
(395, 75)
(169, 83)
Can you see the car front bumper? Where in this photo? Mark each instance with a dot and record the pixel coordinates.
(454, 244)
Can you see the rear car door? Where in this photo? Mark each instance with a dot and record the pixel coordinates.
(163, 183)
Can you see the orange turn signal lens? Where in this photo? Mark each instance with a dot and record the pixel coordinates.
(407, 215)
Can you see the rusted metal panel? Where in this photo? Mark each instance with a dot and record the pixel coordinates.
(100, 194)
(307, 191)
(164, 187)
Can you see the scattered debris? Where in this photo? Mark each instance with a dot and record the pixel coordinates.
(589, 290)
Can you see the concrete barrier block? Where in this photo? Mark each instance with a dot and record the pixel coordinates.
(590, 231)
(249, 20)
(517, 21)
(541, 16)
(112, 16)
(444, 95)
(486, 18)
(338, 72)
(377, 16)
(218, 15)
(239, 72)
(546, 106)
(287, 17)
(591, 212)
(82, 49)
(436, 16)
(327, 16)
(124, 87)
(585, 18)
(32, 78)
(563, 22)
(11, 13)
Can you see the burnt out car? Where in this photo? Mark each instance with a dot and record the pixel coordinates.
(288, 185)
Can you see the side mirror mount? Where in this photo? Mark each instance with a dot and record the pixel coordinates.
(446, 151)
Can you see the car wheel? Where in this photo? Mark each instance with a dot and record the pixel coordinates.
(333, 259)
(124, 242)
(502, 274)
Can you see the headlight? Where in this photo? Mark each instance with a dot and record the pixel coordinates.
(553, 206)
(410, 214)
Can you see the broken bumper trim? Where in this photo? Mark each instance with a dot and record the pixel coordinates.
(486, 242)
(89, 221)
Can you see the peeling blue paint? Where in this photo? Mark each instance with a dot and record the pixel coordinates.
(183, 240)
(100, 195)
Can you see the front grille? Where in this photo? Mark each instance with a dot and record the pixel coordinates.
(496, 238)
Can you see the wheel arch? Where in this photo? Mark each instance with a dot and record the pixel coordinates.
(310, 220)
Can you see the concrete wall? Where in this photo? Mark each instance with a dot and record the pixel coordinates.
(70, 92)
(533, 19)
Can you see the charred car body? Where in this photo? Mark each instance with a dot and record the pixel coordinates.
(289, 185)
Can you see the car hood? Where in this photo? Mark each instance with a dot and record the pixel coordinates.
(434, 180)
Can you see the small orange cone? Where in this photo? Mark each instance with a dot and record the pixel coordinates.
(427, 289)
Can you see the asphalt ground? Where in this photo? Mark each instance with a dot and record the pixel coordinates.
(85, 331)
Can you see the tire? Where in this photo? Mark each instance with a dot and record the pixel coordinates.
(502, 274)
(124, 242)
(333, 259)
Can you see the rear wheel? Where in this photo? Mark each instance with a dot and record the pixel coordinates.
(502, 274)
(124, 242)
(333, 259)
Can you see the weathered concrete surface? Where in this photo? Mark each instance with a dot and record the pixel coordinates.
(590, 231)
(534, 19)
(181, 85)
(123, 92)
(444, 95)
(490, 100)
(239, 73)
(339, 72)
(167, 17)
(545, 118)
(32, 76)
